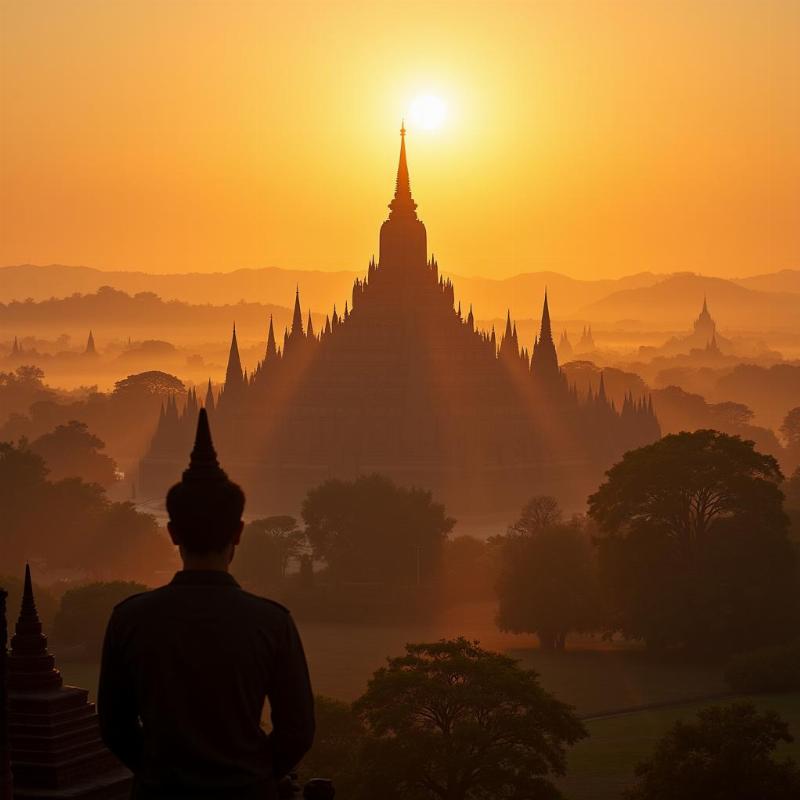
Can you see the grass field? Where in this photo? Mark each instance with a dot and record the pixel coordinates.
(601, 766)
(594, 676)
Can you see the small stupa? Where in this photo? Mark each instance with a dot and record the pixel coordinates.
(54, 737)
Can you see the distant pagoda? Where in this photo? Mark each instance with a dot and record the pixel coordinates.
(565, 351)
(586, 342)
(90, 349)
(403, 384)
(55, 745)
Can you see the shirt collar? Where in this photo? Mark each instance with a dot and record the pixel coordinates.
(203, 577)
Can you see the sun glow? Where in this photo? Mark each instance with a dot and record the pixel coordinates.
(427, 112)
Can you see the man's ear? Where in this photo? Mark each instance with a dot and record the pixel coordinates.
(238, 536)
(173, 535)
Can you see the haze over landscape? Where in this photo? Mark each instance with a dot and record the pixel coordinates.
(492, 312)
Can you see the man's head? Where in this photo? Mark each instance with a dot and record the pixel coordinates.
(205, 508)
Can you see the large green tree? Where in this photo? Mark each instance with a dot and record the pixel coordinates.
(153, 382)
(693, 544)
(548, 584)
(728, 752)
(71, 451)
(372, 530)
(83, 616)
(268, 546)
(72, 524)
(451, 720)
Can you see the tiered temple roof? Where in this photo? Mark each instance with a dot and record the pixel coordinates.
(55, 745)
(403, 384)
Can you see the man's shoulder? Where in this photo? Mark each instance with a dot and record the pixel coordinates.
(153, 600)
(139, 600)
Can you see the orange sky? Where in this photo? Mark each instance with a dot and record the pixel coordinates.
(593, 137)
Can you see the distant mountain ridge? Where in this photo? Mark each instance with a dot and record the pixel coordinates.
(655, 299)
(732, 305)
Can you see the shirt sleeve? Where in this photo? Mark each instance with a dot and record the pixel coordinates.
(116, 705)
(291, 704)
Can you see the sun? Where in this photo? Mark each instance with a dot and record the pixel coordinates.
(427, 112)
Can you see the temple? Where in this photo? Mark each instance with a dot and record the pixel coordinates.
(53, 734)
(403, 384)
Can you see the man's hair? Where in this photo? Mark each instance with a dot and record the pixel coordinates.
(205, 517)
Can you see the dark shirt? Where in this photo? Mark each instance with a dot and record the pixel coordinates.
(185, 673)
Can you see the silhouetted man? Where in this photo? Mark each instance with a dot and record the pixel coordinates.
(187, 667)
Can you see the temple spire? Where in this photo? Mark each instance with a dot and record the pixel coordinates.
(544, 359)
(546, 333)
(233, 374)
(272, 348)
(509, 333)
(403, 203)
(297, 317)
(30, 665)
(209, 403)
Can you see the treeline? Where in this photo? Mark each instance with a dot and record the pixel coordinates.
(68, 527)
(112, 310)
(686, 545)
(124, 418)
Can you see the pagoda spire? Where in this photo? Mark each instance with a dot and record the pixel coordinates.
(509, 333)
(309, 326)
(297, 317)
(90, 348)
(544, 360)
(30, 665)
(403, 203)
(209, 403)
(233, 374)
(272, 348)
(546, 333)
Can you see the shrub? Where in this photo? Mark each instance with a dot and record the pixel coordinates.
(83, 616)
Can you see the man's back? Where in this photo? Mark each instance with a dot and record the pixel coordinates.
(194, 661)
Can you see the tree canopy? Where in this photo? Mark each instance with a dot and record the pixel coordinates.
(72, 524)
(728, 752)
(539, 513)
(372, 530)
(153, 382)
(71, 451)
(451, 720)
(693, 545)
(548, 583)
(790, 427)
(686, 485)
(267, 547)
